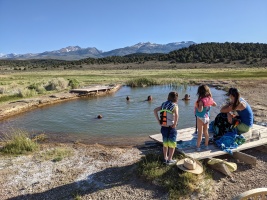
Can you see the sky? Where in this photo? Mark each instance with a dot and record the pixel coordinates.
(35, 26)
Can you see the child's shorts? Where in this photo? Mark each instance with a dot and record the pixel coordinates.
(205, 120)
(169, 136)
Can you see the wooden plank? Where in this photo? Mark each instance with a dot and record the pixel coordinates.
(183, 134)
(213, 152)
(92, 89)
(245, 158)
(188, 134)
(258, 193)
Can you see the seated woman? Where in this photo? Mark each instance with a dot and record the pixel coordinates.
(243, 109)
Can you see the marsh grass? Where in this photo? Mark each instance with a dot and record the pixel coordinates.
(178, 183)
(20, 89)
(12, 97)
(18, 142)
(74, 84)
(55, 80)
(38, 87)
(56, 154)
(141, 82)
(57, 84)
(23, 93)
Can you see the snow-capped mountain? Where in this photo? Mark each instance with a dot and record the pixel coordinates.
(77, 53)
(148, 48)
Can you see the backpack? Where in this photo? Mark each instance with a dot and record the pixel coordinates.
(222, 126)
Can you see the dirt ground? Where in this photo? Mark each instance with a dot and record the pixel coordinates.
(104, 172)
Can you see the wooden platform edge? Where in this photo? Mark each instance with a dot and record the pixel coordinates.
(219, 152)
(260, 143)
(245, 158)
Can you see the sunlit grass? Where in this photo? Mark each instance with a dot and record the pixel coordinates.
(9, 98)
(18, 142)
(179, 184)
(141, 82)
(56, 154)
(126, 76)
(97, 76)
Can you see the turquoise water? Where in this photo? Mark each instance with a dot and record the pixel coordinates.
(123, 123)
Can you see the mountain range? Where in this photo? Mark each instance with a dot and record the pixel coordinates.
(77, 53)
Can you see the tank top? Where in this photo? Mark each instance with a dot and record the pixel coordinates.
(207, 103)
(246, 115)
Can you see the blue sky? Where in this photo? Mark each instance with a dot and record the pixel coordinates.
(35, 26)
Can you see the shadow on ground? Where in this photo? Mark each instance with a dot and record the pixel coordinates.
(102, 180)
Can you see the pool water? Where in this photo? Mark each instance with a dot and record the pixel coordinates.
(123, 123)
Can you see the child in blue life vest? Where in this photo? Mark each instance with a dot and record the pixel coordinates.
(202, 112)
(168, 121)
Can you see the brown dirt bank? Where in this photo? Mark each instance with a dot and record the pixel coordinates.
(9, 109)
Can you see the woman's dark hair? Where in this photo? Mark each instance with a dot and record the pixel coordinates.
(203, 91)
(235, 93)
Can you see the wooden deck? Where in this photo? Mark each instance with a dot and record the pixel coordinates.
(186, 142)
(94, 89)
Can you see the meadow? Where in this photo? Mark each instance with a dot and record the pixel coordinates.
(20, 84)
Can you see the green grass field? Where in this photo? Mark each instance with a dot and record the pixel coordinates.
(121, 76)
(15, 82)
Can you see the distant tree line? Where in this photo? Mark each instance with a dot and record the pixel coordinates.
(205, 52)
(218, 52)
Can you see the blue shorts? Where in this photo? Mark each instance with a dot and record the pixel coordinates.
(169, 136)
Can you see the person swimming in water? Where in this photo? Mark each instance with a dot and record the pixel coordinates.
(186, 97)
(149, 98)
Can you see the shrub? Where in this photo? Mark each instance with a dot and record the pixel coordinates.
(38, 87)
(3, 90)
(26, 93)
(57, 84)
(141, 82)
(18, 142)
(74, 84)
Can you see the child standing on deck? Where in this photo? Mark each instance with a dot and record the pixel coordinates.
(168, 121)
(202, 108)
